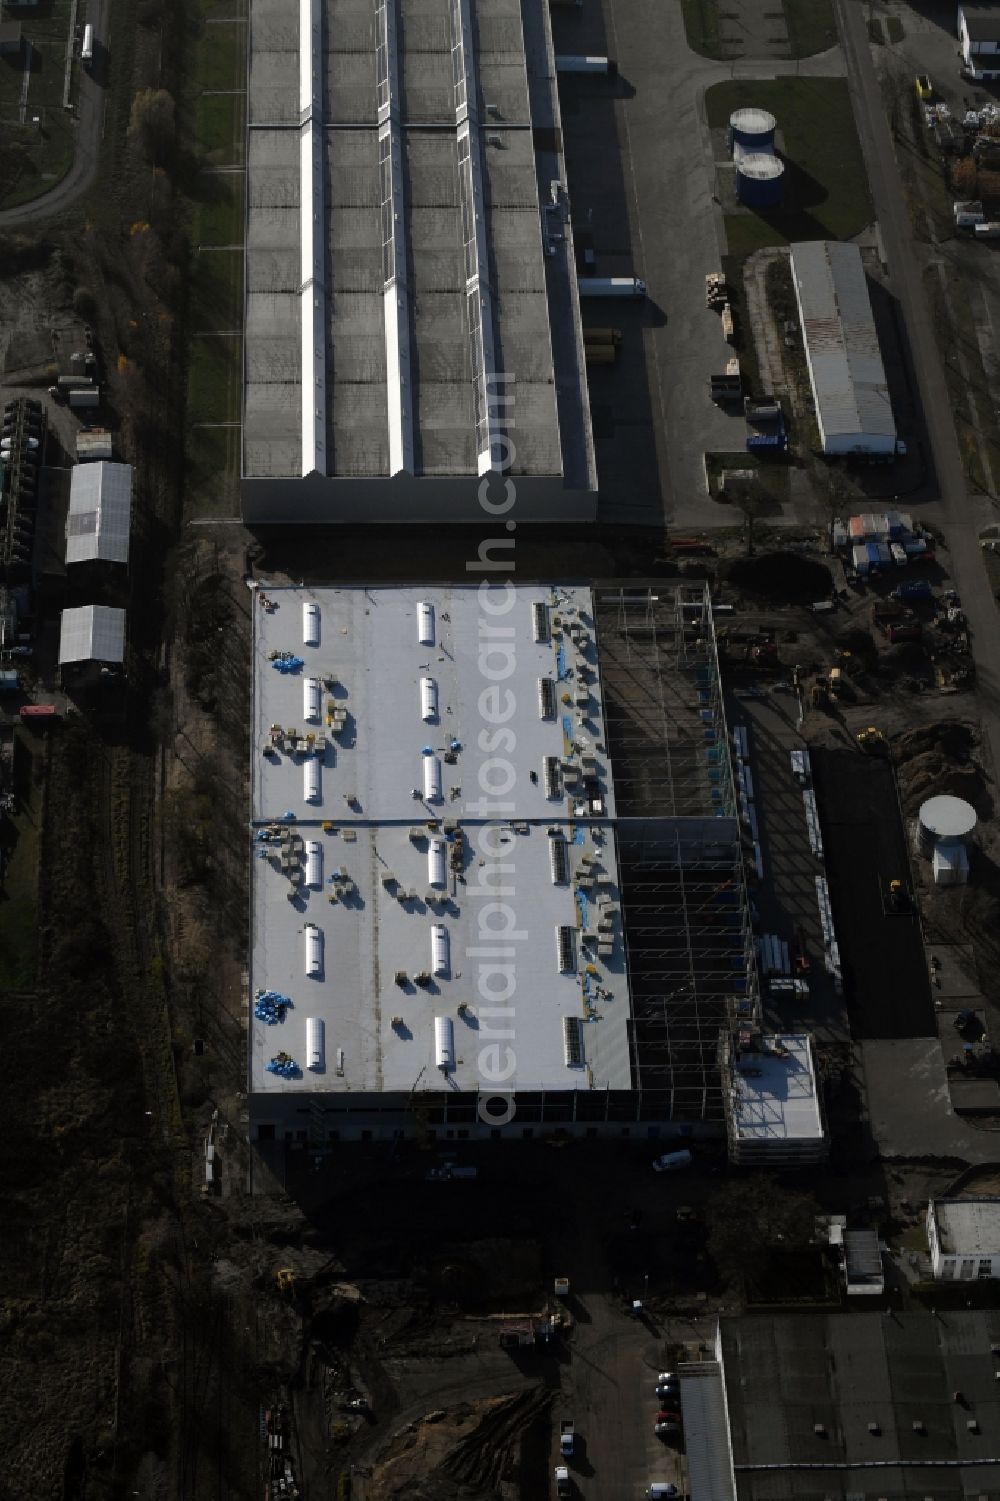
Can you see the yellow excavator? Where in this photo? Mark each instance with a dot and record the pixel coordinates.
(873, 741)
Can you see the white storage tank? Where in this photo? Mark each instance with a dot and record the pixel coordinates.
(310, 624)
(432, 779)
(428, 698)
(444, 1043)
(314, 863)
(314, 949)
(425, 623)
(944, 820)
(437, 863)
(439, 949)
(311, 699)
(310, 779)
(315, 1042)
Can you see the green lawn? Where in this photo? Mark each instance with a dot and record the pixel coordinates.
(218, 216)
(220, 61)
(34, 157)
(219, 127)
(213, 459)
(701, 25)
(215, 122)
(214, 375)
(826, 187)
(217, 292)
(19, 838)
(809, 24)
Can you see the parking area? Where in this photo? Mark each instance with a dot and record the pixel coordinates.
(639, 166)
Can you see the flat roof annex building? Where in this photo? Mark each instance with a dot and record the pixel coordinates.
(412, 322)
(496, 880)
(850, 391)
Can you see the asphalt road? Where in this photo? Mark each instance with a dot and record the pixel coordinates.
(961, 515)
(90, 96)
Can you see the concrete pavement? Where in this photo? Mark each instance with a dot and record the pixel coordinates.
(677, 235)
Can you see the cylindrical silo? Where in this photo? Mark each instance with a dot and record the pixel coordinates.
(944, 820)
(760, 181)
(753, 129)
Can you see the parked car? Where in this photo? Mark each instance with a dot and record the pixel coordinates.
(671, 1162)
(667, 1378)
(667, 1430)
(661, 1490)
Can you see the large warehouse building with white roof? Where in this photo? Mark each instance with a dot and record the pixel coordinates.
(846, 374)
(412, 323)
(496, 870)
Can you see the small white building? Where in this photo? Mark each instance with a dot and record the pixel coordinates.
(92, 633)
(978, 28)
(964, 1238)
(100, 513)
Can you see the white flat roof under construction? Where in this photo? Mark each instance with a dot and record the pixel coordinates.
(775, 1092)
(370, 666)
(405, 898)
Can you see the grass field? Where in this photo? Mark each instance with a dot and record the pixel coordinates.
(34, 157)
(215, 358)
(214, 378)
(19, 840)
(809, 24)
(826, 187)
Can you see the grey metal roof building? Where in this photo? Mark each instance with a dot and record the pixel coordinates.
(100, 513)
(862, 1404)
(92, 633)
(853, 410)
(411, 321)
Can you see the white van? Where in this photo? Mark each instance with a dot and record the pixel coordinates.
(662, 1492)
(670, 1162)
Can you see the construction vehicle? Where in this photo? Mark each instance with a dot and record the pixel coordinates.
(896, 899)
(873, 741)
(602, 336)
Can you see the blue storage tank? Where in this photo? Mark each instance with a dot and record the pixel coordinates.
(760, 181)
(753, 129)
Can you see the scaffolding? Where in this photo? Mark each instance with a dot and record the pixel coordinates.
(663, 701)
(688, 934)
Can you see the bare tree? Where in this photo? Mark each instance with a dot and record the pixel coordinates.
(153, 123)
